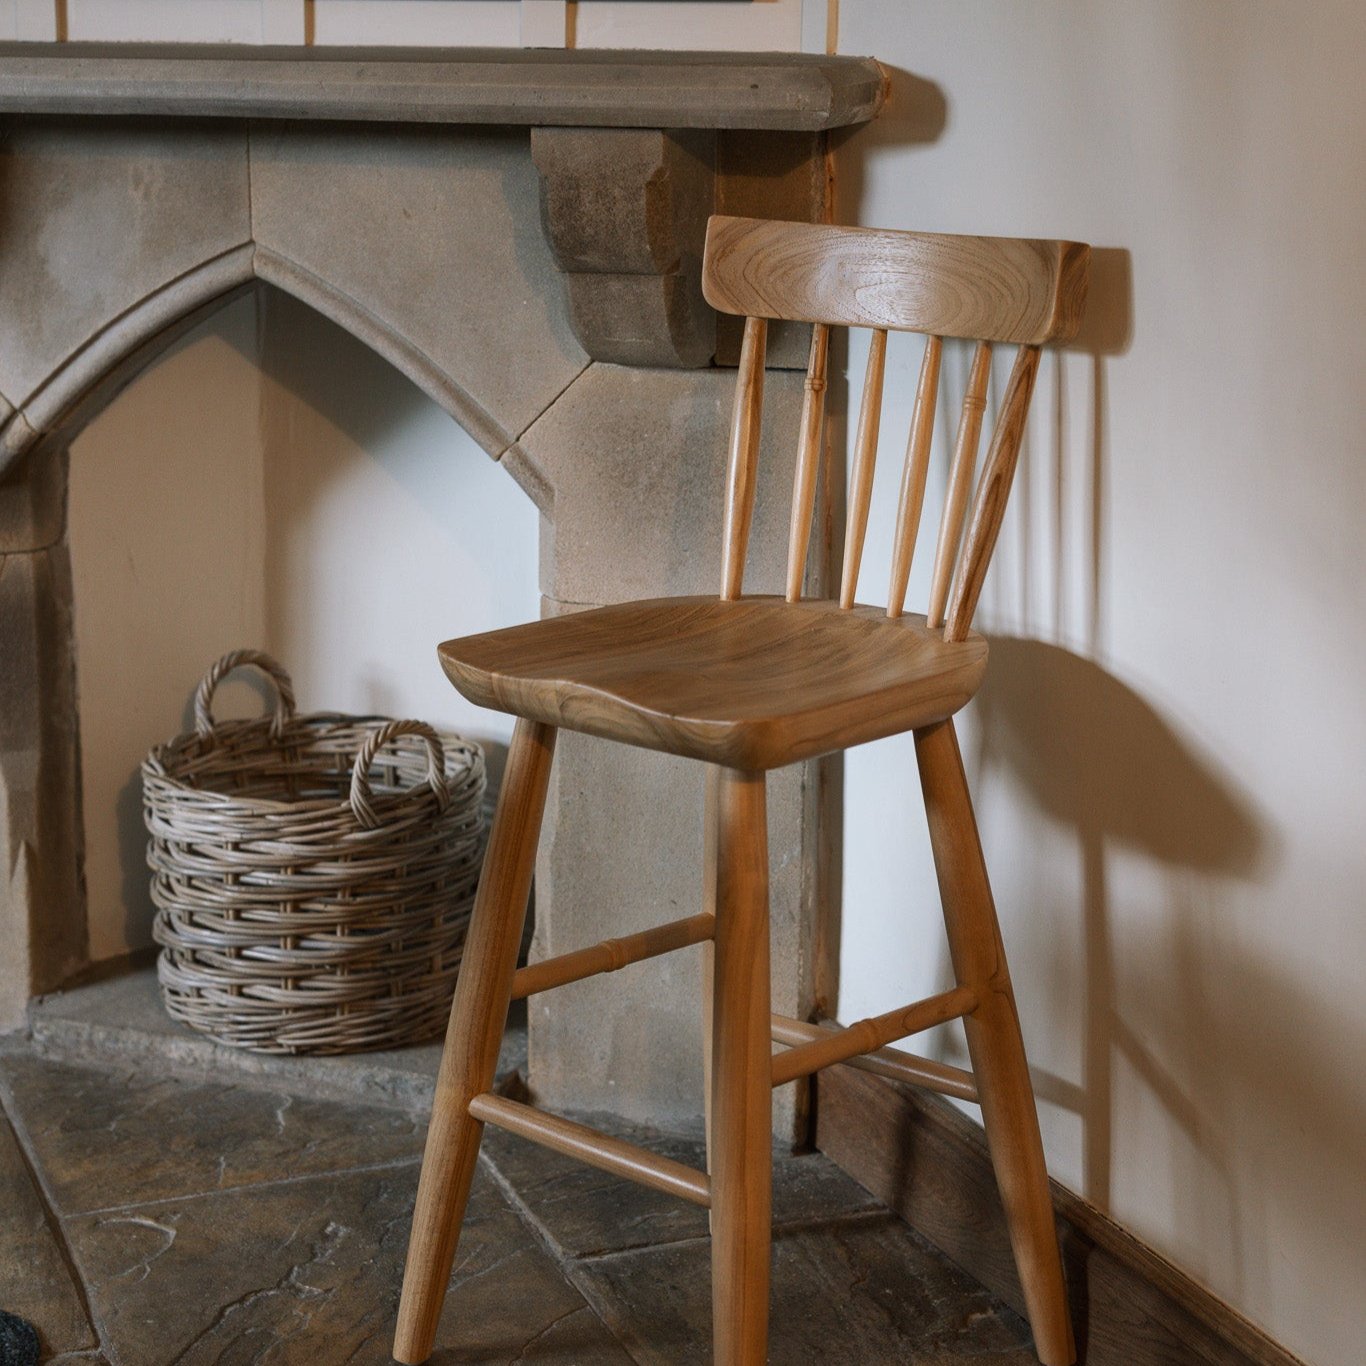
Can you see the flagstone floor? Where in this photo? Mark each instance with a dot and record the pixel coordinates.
(148, 1220)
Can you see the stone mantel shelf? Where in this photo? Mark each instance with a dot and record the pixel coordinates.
(588, 89)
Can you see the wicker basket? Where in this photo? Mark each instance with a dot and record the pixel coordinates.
(313, 875)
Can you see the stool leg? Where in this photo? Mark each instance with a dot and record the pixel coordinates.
(708, 965)
(478, 1017)
(994, 1042)
(741, 1106)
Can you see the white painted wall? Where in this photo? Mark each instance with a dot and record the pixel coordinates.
(740, 25)
(771, 25)
(1168, 755)
(217, 21)
(419, 22)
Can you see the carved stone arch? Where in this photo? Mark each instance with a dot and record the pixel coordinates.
(118, 236)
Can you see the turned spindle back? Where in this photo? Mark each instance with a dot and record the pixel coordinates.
(987, 289)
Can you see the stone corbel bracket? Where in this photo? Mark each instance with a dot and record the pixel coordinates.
(625, 212)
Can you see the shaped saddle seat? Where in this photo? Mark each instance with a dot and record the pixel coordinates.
(754, 683)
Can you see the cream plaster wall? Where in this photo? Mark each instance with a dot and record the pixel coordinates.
(1168, 756)
(389, 529)
(167, 534)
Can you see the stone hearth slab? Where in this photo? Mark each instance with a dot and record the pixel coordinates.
(120, 1021)
(309, 1271)
(587, 1213)
(108, 1138)
(35, 1281)
(848, 1293)
(300, 1260)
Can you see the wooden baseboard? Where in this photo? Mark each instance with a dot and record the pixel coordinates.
(929, 1162)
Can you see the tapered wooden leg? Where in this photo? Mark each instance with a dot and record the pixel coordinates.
(708, 974)
(994, 1042)
(741, 1104)
(478, 1018)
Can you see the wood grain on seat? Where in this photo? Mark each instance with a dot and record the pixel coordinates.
(755, 683)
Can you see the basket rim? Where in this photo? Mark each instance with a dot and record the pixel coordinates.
(463, 762)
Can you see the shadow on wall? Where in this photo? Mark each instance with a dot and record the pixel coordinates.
(1224, 1040)
(916, 112)
(1100, 761)
(367, 405)
(1229, 1049)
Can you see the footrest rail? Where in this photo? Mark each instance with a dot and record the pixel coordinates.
(596, 1149)
(867, 1036)
(886, 1062)
(611, 955)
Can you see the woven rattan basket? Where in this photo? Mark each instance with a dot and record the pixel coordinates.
(313, 875)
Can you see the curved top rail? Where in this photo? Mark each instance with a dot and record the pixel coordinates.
(1000, 289)
(582, 89)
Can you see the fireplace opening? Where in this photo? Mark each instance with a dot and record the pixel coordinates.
(271, 481)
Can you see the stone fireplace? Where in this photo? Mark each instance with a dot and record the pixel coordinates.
(548, 207)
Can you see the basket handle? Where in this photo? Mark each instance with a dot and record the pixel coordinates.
(361, 804)
(234, 659)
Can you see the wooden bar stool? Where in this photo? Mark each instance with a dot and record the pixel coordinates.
(747, 684)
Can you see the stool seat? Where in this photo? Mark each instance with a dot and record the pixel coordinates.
(753, 683)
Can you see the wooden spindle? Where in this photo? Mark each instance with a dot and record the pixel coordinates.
(960, 482)
(992, 492)
(808, 461)
(611, 955)
(865, 459)
(867, 1036)
(606, 1152)
(913, 473)
(744, 455)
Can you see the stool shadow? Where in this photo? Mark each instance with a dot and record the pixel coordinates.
(1226, 1040)
(1100, 761)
